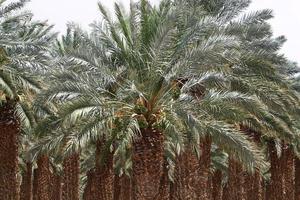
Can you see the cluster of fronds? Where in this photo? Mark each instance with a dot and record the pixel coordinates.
(185, 68)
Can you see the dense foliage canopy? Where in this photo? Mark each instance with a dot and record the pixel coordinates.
(169, 102)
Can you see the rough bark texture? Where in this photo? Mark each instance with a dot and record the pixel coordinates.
(56, 187)
(210, 195)
(264, 189)
(35, 184)
(276, 182)
(117, 187)
(101, 179)
(268, 189)
(43, 176)
(253, 186)
(185, 177)
(99, 186)
(164, 190)
(191, 175)
(70, 189)
(9, 132)
(122, 188)
(252, 182)
(287, 167)
(225, 193)
(217, 185)
(204, 169)
(88, 187)
(26, 186)
(235, 180)
(297, 179)
(148, 165)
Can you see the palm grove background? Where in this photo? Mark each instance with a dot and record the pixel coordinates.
(186, 100)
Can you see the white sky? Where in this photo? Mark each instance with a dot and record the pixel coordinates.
(59, 12)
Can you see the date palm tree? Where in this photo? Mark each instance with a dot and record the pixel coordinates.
(259, 66)
(167, 83)
(145, 87)
(23, 44)
(253, 70)
(295, 78)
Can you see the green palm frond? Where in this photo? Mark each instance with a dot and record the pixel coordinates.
(237, 144)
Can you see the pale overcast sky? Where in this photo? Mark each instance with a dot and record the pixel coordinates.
(59, 12)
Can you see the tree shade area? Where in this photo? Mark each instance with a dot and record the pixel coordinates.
(188, 100)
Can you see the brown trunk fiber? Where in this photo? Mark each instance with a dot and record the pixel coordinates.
(56, 187)
(26, 186)
(225, 193)
(87, 193)
(297, 178)
(253, 186)
(117, 187)
(43, 179)
(191, 175)
(185, 177)
(100, 180)
(248, 185)
(97, 188)
(217, 185)
(148, 165)
(122, 188)
(288, 172)
(164, 191)
(210, 186)
(268, 191)
(235, 180)
(9, 132)
(35, 184)
(264, 189)
(258, 189)
(276, 182)
(204, 169)
(70, 190)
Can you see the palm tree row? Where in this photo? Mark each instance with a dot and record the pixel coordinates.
(186, 100)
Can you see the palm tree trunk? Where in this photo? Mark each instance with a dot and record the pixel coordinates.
(235, 180)
(26, 186)
(248, 185)
(9, 132)
(42, 179)
(164, 193)
(117, 187)
(264, 189)
(56, 187)
(148, 165)
(104, 176)
(217, 185)
(186, 177)
(297, 178)
(70, 190)
(258, 189)
(253, 182)
(87, 193)
(210, 195)
(34, 184)
(183, 169)
(122, 188)
(253, 186)
(268, 192)
(204, 169)
(192, 174)
(97, 187)
(288, 173)
(101, 179)
(225, 193)
(276, 182)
